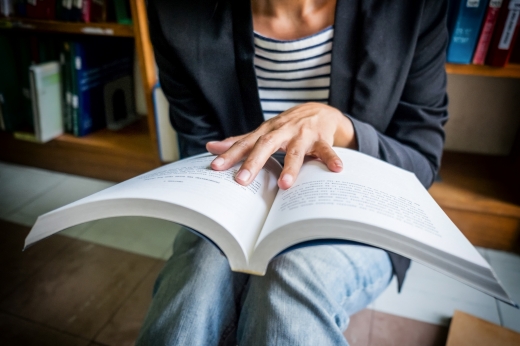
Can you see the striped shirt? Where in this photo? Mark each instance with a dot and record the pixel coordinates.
(293, 72)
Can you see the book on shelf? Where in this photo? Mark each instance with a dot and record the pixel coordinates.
(122, 11)
(466, 20)
(369, 202)
(46, 100)
(41, 9)
(486, 33)
(94, 64)
(10, 89)
(7, 8)
(505, 34)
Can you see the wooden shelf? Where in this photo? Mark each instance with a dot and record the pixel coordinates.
(510, 71)
(100, 29)
(105, 154)
(481, 194)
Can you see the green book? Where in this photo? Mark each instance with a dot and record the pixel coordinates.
(24, 59)
(10, 88)
(66, 83)
(122, 10)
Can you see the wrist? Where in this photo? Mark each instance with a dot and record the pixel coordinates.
(345, 136)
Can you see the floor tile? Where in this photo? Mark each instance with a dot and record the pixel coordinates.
(141, 235)
(358, 331)
(432, 297)
(389, 330)
(20, 185)
(18, 332)
(507, 268)
(18, 266)
(71, 189)
(510, 316)
(124, 327)
(80, 289)
(76, 231)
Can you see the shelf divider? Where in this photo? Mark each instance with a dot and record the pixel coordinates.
(510, 71)
(36, 25)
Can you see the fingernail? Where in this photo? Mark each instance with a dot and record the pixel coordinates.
(244, 175)
(219, 161)
(212, 142)
(338, 163)
(287, 178)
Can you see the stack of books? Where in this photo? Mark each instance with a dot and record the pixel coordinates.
(482, 31)
(87, 80)
(69, 10)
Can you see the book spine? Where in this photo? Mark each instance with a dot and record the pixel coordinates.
(465, 33)
(505, 34)
(74, 99)
(98, 11)
(487, 32)
(6, 8)
(85, 11)
(76, 10)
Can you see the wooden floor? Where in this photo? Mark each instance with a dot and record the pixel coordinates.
(70, 292)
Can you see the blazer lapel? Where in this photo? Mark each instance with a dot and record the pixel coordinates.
(244, 55)
(344, 54)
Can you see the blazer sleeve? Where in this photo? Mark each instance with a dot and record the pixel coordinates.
(190, 114)
(415, 137)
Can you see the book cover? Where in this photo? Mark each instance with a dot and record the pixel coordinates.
(122, 11)
(46, 96)
(66, 82)
(76, 11)
(10, 89)
(467, 23)
(7, 8)
(86, 11)
(98, 11)
(20, 8)
(27, 53)
(505, 34)
(486, 33)
(64, 10)
(96, 63)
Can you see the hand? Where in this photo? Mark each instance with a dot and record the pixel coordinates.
(308, 129)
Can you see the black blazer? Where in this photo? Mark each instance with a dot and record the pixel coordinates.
(387, 76)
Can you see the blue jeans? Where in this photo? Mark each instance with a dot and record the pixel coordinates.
(306, 297)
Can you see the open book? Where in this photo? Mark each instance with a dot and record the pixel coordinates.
(370, 202)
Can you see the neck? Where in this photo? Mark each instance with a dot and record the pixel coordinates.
(288, 8)
(292, 19)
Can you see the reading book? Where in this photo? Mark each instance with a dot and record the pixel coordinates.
(370, 202)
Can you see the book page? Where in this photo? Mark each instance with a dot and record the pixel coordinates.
(192, 184)
(371, 192)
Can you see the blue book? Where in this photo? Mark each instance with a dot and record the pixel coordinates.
(95, 66)
(466, 22)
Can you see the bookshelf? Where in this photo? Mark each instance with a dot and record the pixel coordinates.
(35, 25)
(108, 155)
(510, 71)
(480, 193)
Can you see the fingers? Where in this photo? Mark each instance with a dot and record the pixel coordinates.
(325, 153)
(219, 147)
(295, 154)
(265, 146)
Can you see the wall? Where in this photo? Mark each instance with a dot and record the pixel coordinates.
(484, 114)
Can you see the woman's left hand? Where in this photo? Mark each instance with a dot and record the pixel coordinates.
(308, 129)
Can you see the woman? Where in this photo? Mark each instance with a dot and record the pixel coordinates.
(246, 79)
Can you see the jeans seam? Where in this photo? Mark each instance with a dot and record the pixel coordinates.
(227, 332)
